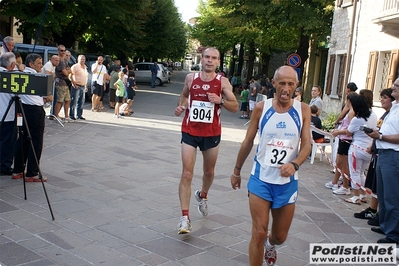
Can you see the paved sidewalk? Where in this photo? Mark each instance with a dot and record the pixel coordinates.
(112, 184)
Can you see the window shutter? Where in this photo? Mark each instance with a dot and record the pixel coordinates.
(342, 85)
(330, 74)
(370, 79)
(393, 68)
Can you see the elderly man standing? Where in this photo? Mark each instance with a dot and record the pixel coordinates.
(62, 72)
(8, 132)
(79, 87)
(387, 171)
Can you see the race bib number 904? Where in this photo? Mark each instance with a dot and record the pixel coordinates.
(278, 152)
(202, 112)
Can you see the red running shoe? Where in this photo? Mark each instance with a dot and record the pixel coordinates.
(35, 179)
(270, 256)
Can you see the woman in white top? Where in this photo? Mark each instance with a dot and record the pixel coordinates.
(316, 100)
(358, 158)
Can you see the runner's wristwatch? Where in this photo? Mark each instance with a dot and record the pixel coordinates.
(222, 102)
(296, 166)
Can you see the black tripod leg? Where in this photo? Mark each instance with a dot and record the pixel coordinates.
(34, 154)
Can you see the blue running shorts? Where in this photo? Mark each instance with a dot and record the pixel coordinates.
(278, 195)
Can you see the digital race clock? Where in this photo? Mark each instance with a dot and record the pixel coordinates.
(26, 83)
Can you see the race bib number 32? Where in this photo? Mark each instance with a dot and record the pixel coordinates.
(278, 152)
(202, 112)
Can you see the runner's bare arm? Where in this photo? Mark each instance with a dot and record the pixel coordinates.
(246, 146)
(183, 98)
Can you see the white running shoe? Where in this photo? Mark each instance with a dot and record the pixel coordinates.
(342, 191)
(68, 120)
(331, 185)
(203, 203)
(184, 225)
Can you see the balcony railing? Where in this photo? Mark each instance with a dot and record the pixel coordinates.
(391, 6)
(389, 14)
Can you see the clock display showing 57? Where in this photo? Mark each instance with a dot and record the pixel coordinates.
(26, 83)
(16, 83)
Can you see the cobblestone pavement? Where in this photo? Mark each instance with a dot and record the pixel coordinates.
(112, 184)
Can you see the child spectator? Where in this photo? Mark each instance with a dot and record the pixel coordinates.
(244, 102)
(131, 86)
(120, 91)
(316, 122)
(125, 109)
(125, 77)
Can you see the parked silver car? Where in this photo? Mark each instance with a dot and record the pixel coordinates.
(142, 71)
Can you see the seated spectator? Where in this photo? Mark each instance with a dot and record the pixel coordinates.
(125, 109)
(316, 122)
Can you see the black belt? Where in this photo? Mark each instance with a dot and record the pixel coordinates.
(80, 85)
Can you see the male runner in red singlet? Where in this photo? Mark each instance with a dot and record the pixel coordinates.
(203, 96)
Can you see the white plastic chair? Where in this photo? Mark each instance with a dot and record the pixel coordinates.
(323, 145)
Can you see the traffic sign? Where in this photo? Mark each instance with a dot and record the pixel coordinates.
(294, 60)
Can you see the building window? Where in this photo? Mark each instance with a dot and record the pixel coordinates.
(382, 71)
(344, 3)
(336, 75)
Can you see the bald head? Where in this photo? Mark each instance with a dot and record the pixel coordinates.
(285, 71)
(285, 81)
(55, 60)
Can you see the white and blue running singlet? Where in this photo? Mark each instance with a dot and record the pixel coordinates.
(279, 135)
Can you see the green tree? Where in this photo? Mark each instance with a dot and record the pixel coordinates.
(212, 28)
(114, 27)
(164, 33)
(275, 25)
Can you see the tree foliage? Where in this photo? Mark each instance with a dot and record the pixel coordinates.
(121, 28)
(271, 25)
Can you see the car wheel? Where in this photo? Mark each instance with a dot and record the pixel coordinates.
(158, 82)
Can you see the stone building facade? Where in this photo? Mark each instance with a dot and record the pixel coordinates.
(363, 48)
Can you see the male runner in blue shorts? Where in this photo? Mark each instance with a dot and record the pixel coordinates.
(282, 123)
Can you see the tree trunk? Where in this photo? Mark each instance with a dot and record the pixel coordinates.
(265, 63)
(232, 61)
(240, 59)
(302, 51)
(221, 61)
(251, 60)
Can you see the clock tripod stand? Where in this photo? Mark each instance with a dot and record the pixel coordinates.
(24, 133)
